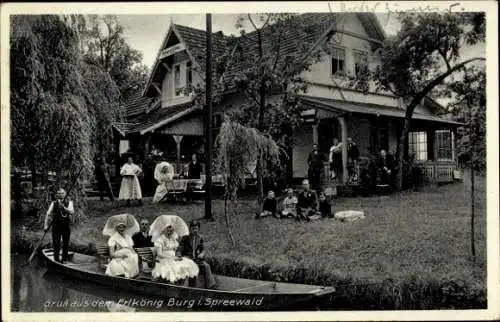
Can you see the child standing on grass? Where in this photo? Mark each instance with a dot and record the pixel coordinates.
(325, 208)
(289, 205)
(269, 206)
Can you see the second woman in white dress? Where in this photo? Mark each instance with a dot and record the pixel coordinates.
(170, 266)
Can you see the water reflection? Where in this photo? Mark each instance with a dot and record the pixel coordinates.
(35, 289)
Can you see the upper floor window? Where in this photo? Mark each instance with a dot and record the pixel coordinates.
(189, 75)
(338, 61)
(360, 61)
(177, 79)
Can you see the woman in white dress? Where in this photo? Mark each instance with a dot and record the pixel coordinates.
(335, 158)
(166, 231)
(124, 259)
(130, 187)
(164, 172)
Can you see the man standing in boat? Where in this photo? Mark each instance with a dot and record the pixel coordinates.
(59, 215)
(192, 246)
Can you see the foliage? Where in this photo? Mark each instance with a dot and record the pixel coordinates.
(416, 61)
(469, 107)
(105, 46)
(61, 108)
(238, 146)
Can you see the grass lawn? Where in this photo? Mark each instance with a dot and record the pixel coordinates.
(409, 236)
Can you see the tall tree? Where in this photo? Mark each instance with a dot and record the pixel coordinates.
(419, 58)
(268, 64)
(469, 106)
(105, 46)
(56, 110)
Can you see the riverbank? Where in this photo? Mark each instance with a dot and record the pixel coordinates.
(410, 252)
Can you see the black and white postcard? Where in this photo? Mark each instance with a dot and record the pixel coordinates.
(209, 161)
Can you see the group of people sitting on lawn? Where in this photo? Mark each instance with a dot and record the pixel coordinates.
(178, 252)
(306, 206)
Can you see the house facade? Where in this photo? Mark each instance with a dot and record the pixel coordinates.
(165, 117)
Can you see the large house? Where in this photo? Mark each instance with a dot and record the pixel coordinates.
(164, 117)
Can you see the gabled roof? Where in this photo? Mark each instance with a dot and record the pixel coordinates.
(138, 104)
(318, 23)
(157, 118)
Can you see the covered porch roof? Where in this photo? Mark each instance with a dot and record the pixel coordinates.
(331, 108)
(149, 122)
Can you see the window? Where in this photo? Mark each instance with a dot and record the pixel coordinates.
(360, 61)
(379, 136)
(444, 145)
(177, 80)
(417, 145)
(338, 61)
(189, 75)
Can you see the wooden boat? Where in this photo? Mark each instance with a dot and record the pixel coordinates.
(230, 293)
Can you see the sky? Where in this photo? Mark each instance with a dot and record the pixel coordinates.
(146, 32)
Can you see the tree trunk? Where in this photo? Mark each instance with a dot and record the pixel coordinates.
(401, 151)
(472, 182)
(262, 104)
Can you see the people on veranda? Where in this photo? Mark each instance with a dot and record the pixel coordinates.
(335, 158)
(289, 205)
(315, 163)
(269, 206)
(130, 188)
(386, 166)
(59, 217)
(166, 230)
(192, 246)
(164, 173)
(124, 259)
(307, 206)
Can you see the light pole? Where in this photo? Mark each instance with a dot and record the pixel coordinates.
(208, 121)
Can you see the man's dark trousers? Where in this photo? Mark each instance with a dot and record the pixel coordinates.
(58, 232)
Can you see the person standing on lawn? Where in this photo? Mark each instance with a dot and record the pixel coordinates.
(192, 246)
(130, 187)
(194, 168)
(60, 214)
(102, 177)
(315, 162)
(307, 206)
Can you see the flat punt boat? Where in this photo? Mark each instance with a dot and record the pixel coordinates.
(230, 293)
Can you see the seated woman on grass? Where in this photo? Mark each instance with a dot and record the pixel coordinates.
(166, 231)
(307, 206)
(325, 207)
(124, 259)
(269, 206)
(289, 205)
